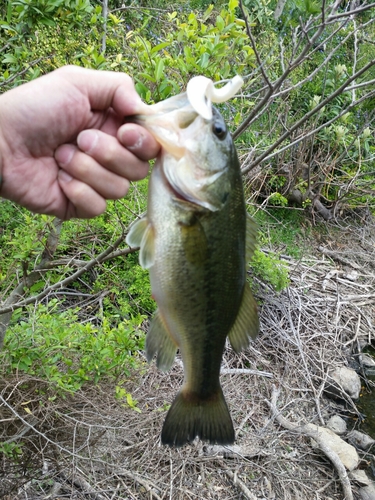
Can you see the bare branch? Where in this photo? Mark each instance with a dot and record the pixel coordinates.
(253, 44)
(105, 17)
(21, 73)
(351, 12)
(278, 83)
(61, 284)
(267, 154)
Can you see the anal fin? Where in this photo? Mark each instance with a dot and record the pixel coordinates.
(159, 341)
(246, 325)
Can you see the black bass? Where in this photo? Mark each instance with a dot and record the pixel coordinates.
(193, 241)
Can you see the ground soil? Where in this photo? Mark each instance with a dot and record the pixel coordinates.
(92, 446)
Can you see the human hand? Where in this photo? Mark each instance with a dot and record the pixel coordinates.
(64, 148)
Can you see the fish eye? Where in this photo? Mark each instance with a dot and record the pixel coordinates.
(220, 130)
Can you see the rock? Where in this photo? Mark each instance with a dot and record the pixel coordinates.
(362, 344)
(367, 361)
(367, 493)
(346, 452)
(337, 425)
(346, 380)
(360, 440)
(360, 477)
(352, 276)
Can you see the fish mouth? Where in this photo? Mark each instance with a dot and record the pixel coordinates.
(176, 125)
(166, 121)
(176, 194)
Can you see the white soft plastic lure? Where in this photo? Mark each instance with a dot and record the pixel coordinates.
(201, 92)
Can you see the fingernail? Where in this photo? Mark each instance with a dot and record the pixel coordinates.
(64, 176)
(131, 138)
(87, 140)
(64, 154)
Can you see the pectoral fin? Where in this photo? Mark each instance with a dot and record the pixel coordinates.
(136, 232)
(246, 325)
(158, 341)
(141, 235)
(251, 237)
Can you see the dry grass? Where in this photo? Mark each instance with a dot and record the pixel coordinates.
(90, 446)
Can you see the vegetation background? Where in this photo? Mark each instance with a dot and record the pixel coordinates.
(74, 301)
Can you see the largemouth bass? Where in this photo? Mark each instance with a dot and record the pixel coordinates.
(193, 241)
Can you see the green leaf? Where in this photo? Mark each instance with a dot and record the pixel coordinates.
(142, 90)
(233, 4)
(159, 70)
(312, 7)
(207, 14)
(9, 59)
(161, 46)
(9, 11)
(47, 22)
(220, 24)
(37, 286)
(146, 76)
(203, 62)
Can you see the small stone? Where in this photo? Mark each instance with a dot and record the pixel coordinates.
(352, 276)
(360, 477)
(367, 360)
(367, 493)
(337, 425)
(362, 344)
(346, 452)
(347, 381)
(360, 440)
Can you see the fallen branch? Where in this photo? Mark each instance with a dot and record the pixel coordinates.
(61, 284)
(334, 255)
(307, 430)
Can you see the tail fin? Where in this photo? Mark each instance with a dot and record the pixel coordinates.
(190, 417)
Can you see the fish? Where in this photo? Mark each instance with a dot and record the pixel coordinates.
(196, 240)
